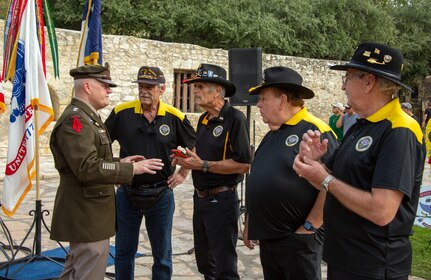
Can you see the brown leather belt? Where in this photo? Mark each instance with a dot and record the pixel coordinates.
(215, 191)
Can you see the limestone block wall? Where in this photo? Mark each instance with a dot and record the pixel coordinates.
(127, 54)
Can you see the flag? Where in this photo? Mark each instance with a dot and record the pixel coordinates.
(2, 105)
(29, 90)
(49, 23)
(12, 24)
(15, 9)
(90, 48)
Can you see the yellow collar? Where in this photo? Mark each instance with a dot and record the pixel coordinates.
(390, 109)
(298, 117)
(160, 112)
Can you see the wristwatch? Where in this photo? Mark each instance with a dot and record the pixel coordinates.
(309, 226)
(205, 167)
(325, 183)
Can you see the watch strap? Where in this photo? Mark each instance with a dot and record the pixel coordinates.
(309, 226)
(325, 183)
(204, 167)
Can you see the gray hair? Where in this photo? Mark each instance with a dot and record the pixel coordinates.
(387, 87)
(223, 91)
(212, 88)
(78, 85)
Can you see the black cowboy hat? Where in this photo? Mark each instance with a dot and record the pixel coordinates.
(283, 78)
(209, 73)
(378, 59)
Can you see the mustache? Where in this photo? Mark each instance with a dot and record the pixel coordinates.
(144, 95)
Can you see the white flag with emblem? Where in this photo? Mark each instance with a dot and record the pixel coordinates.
(30, 89)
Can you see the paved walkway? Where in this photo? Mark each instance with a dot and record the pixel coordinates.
(184, 263)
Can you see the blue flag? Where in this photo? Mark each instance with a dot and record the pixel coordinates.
(90, 48)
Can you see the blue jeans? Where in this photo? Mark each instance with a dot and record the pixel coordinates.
(215, 232)
(158, 222)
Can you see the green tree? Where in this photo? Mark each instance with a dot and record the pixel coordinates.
(413, 23)
(314, 28)
(67, 14)
(331, 29)
(324, 29)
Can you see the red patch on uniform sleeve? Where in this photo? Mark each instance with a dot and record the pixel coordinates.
(76, 125)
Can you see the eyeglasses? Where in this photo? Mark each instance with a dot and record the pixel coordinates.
(346, 77)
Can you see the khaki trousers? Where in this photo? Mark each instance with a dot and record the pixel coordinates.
(86, 261)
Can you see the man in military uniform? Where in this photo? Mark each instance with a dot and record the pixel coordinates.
(149, 127)
(221, 159)
(373, 178)
(284, 212)
(84, 207)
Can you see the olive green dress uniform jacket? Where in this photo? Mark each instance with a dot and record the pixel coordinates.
(84, 208)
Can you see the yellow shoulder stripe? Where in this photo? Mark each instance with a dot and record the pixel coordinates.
(398, 118)
(136, 104)
(303, 114)
(321, 125)
(163, 108)
(401, 119)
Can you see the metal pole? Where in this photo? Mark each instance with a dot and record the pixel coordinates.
(38, 213)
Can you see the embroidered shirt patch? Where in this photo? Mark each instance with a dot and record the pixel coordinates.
(108, 166)
(76, 124)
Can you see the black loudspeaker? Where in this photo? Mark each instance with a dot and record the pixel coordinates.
(245, 71)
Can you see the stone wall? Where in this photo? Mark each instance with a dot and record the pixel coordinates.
(126, 54)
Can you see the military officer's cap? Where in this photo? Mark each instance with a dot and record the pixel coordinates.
(98, 72)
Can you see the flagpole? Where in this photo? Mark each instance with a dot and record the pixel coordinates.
(36, 128)
(28, 62)
(36, 253)
(38, 209)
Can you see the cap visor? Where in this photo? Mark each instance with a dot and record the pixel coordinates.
(148, 82)
(109, 82)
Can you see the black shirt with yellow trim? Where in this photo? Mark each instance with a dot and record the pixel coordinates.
(386, 151)
(221, 138)
(278, 200)
(137, 136)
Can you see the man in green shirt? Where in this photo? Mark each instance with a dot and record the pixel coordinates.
(337, 109)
